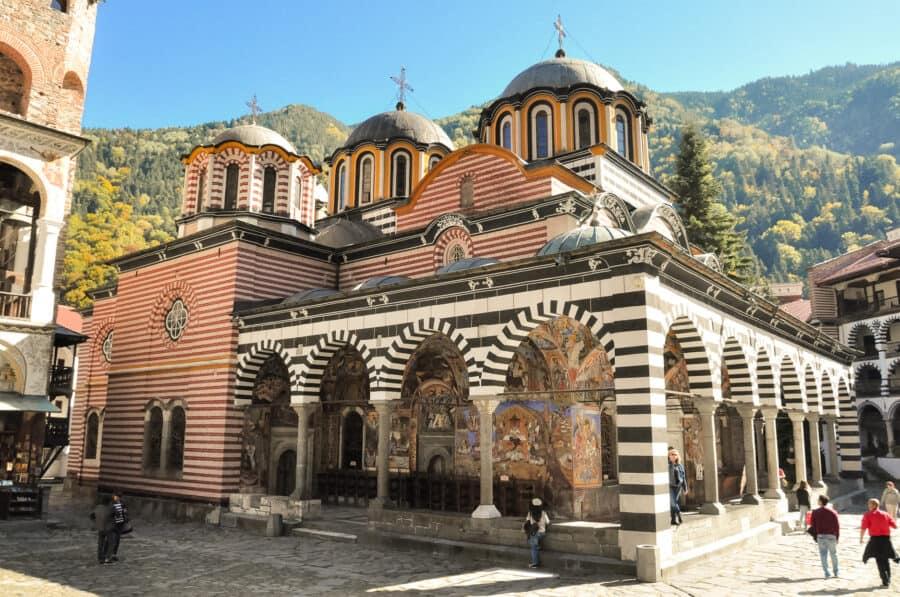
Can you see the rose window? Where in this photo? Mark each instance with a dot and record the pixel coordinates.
(176, 319)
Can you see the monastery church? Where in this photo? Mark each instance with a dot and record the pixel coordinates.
(455, 332)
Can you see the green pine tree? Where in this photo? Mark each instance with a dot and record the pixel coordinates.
(708, 223)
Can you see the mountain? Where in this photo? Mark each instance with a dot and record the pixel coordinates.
(809, 163)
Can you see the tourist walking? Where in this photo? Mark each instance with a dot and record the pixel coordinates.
(107, 537)
(826, 530)
(535, 526)
(879, 525)
(803, 502)
(121, 523)
(890, 499)
(677, 484)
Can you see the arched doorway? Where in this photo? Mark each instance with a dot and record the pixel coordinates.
(270, 426)
(352, 441)
(347, 438)
(730, 452)
(873, 435)
(554, 432)
(436, 425)
(286, 473)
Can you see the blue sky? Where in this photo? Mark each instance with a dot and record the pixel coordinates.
(181, 62)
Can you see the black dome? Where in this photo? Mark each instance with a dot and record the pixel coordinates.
(312, 293)
(464, 264)
(581, 237)
(381, 281)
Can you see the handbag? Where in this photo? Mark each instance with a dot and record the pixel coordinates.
(125, 527)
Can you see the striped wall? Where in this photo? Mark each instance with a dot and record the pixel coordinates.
(629, 314)
(199, 369)
(497, 183)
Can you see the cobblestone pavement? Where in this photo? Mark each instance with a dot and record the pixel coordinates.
(192, 559)
(790, 566)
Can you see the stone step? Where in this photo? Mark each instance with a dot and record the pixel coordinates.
(758, 535)
(325, 535)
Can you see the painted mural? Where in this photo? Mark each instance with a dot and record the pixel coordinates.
(549, 432)
(726, 383)
(270, 407)
(676, 373)
(436, 413)
(370, 453)
(467, 457)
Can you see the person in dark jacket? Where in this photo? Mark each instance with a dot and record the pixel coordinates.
(106, 531)
(879, 524)
(826, 529)
(677, 484)
(803, 504)
(120, 517)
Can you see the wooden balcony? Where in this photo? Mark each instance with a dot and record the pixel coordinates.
(61, 379)
(14, 305)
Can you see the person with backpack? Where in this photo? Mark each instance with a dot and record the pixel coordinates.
(121, 522)
(535, 527)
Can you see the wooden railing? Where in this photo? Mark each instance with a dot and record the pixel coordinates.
(15, 305)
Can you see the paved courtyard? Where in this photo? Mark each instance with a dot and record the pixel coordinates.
(192, 559)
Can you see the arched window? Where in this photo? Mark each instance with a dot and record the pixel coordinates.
(364, 179)
(60, 5)
(12, 89)
(504, 132)
(623, 133)
(585, 119)
(541, 133)
(201, 189)
(91, 436)
(153, 432)
(434, 161)
(340, 180)
(232, 173)
(268, 199)
(400, 174)
(176, 439)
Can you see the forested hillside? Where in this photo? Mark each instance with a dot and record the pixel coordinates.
(808, 162)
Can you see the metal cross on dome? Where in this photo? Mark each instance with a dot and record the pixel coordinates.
(402, 84)
(254, 108)
(560, 32)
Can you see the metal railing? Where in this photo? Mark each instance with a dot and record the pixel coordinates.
(849, 307)
(57, 433)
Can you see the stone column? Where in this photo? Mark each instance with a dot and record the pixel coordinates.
(773, 491)
(814, 452)
(384, 410)
(751, 491)
(486, 407)
(831, 448)
(301, 491)
(758, 426)
(889, 429)
(707, 409)
(797, 418)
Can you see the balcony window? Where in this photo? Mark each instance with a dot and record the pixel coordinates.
(19, 206)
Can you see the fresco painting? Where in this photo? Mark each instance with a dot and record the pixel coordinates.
(370, 451)
(401, 441)
(676, 366)
(586, 448)
(467, 459)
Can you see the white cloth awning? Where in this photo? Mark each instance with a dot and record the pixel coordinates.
(13, 401)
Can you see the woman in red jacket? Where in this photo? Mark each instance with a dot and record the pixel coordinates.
(879, 524)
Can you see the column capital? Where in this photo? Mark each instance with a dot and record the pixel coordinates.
(769, 412)
(706, 406)
(301, 407)
(486, 403)
(747, 411)
(813, 417)
(830, 419)
(796, 416)
(384, 406)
